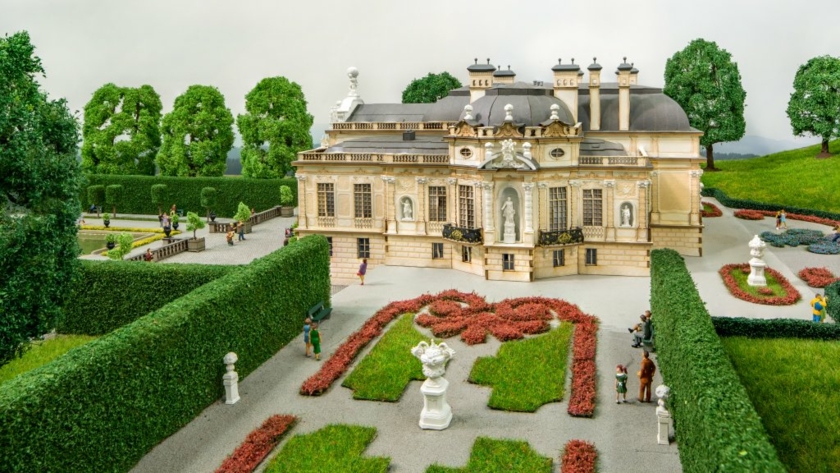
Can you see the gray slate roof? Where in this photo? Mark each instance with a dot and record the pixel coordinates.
(392, 144)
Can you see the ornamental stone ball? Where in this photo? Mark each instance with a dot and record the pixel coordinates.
(352, 72)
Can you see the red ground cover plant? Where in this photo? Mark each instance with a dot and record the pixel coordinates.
(817, 277)
(804, 218)
(791, 297)
(474, 318)
(713, 210)
(578, 457)
(257, 445)
(747, 214)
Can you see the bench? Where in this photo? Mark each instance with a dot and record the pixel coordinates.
(647, 343)
(318, 312)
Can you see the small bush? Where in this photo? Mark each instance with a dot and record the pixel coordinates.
(257, 445)
(817, 277)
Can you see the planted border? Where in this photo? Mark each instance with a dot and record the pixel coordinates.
(717, 426)
(257, 445)
(817, 277)
(579, 456)
(792, 212)
(774, 328)
(714, 210)
(791, 294)
(747, 214)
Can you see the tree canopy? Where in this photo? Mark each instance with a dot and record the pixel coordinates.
(40, 181)
(121, 130)
(197, 134)
(274, 128)
(430, 88)
(704, 80)
(814, 105)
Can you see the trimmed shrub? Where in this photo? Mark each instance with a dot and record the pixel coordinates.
(208, 199)
(95, 196)
(159, 196)
(832, 292)
(95, 308)
(774, 328)
(751, 204)
(716, 425)
(104, 405)
(113, 196)
(710, 210)
(186, 192)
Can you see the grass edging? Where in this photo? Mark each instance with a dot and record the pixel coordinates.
(502, 455)
(334, 448)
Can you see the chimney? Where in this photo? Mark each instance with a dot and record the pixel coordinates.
(566, 85)
(594, 95)
(504, 77)
(634, 76)
(623, 74)
(481, 79)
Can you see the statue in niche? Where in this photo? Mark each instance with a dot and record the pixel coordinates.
(508, 211)
(626, 215)
(406, 209)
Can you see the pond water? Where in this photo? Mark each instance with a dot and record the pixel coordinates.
(90, 241)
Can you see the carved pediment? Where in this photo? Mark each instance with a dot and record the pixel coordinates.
(507, 130)
(558, 129)
(464, 129)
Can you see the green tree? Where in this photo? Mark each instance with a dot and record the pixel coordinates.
(704, 80)
(121, 130)
(197, 134)
(814, 105)
(275, 127)
(430, 88)
(40, 182)
(125, 243)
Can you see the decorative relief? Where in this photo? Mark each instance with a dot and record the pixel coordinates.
(609, 183)
(422, 180)
(559, 129)
(301, 178)
(528, 186)
(388, 179)
(452, 181)
(625, 188)
(405, 184)
(465, 130)
(575, 183)
(542, 185)
(507, 130)
(643, 184)
(696, 173)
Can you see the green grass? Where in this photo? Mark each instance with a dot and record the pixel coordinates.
(385, 372)
(492, 456)
(41, 353)
(791, 178)
(526, 374)
(794, 385)
(772, 284)
(334, 449)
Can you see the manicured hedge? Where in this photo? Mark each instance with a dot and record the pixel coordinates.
(716, 425)
(774, 328)
(832, 292)
(110, 294)
(185, 192)
(103, 406)
(751, 204)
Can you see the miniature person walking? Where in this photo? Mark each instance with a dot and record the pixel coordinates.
(778, 219)
(646, 377)
(315, 339)
(783, 219)
(306, 328)
(362, 271)
(229, 236)
(620, 383)
(241, 227)
(817, 306)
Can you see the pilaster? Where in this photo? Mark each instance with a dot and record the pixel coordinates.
(303, 215)
(609, 188)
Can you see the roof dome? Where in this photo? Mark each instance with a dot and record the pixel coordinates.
(531, 106)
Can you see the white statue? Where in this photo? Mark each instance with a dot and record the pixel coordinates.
(436, 413)
(353, 74)
(757, 265)
(407, 212)
(625, 215)
(662, 415)
(508, 211)
(507, 153)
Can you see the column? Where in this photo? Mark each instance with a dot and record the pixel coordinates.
(489, 214)
(654, 197)
(420, 208)
(609, 202)
(390, 215)
(575, 210)
(694, 198)
(453, 209)
(642, 212)
(542, 206)
(303, 216)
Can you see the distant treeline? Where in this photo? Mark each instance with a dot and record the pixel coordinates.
(725, 156)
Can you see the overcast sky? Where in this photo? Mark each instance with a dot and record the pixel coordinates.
(171, 44)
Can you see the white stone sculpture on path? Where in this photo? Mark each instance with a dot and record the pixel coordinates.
(231, 379)
(407, 212)
(436, 413)
(662, 415)
(757, 265)
(510, 225)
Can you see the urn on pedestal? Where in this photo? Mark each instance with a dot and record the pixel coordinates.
(436, 414)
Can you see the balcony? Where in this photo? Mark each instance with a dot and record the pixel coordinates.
(462, 234)
(561, 237)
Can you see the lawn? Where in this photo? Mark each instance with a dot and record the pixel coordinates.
(790, 178)
(385, 372)
(526, 374)
(794, 385)
(509, 456)
(334, 449)
(41, 353)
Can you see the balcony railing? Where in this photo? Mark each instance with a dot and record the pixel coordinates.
(363, 223)
(376, 158)
(434, 228)
(324, 222)
(561, 237)
(462, 234)
(612, 161)
(417, 126)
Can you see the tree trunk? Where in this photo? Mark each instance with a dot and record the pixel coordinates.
(710, 158)
(824, 149)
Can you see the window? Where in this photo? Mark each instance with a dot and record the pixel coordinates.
(437, 204)
(557, 209)
(361, 198)
(592, 207)
(466, 153)
(363, 247)
(591, 256)
(507, 261)
(466, 254)
(466, 207)
(559, 258)
(329, 240)
(437, 250)
(326, 199)
(557, 153)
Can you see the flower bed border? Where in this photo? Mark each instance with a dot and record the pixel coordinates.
(817, 277)
(792, 294)
(257, 445)
(583, 392)
(749, 214)
(714, 212)
(579, 456)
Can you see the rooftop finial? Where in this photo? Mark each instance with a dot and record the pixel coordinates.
(560, 60)
(476, 61)
(573, 60)
(508, 66)
(594, 60)
(625, 59)
(508, 113)
(488, 60)
(498, 68)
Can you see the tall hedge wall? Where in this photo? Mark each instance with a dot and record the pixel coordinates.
(832, 292)
(110, 294)
(716, 425)
(103, 405)
(774, 328)
(751, 204)
(185, 192)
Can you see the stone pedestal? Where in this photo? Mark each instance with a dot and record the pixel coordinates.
(510, 233)
(231, 380)
(757, 265)
(663, 416)
(436, 414)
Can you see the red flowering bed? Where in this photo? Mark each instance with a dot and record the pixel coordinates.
(710, 210)
(474, 318)
(578, 457)
(817, 277)
(791, 294)
(748, 214)
(257, 445)
(804, 218)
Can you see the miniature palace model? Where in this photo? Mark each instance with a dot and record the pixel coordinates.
(508, 180)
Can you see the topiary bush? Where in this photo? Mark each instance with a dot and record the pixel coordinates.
(716, 425)
(159, 196)
(113, 196)
(95, 196)
(208, 199)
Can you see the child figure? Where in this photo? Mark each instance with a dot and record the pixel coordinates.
(229, 236)
(783, 219)
(620, 383)
(362, 271)
(315, 339)
(778, 219)
(306, 329)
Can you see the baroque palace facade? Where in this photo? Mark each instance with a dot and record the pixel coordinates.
(507, 180)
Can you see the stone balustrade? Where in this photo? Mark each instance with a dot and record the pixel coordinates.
(366, 126)
(257, 218)
(171, 247)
